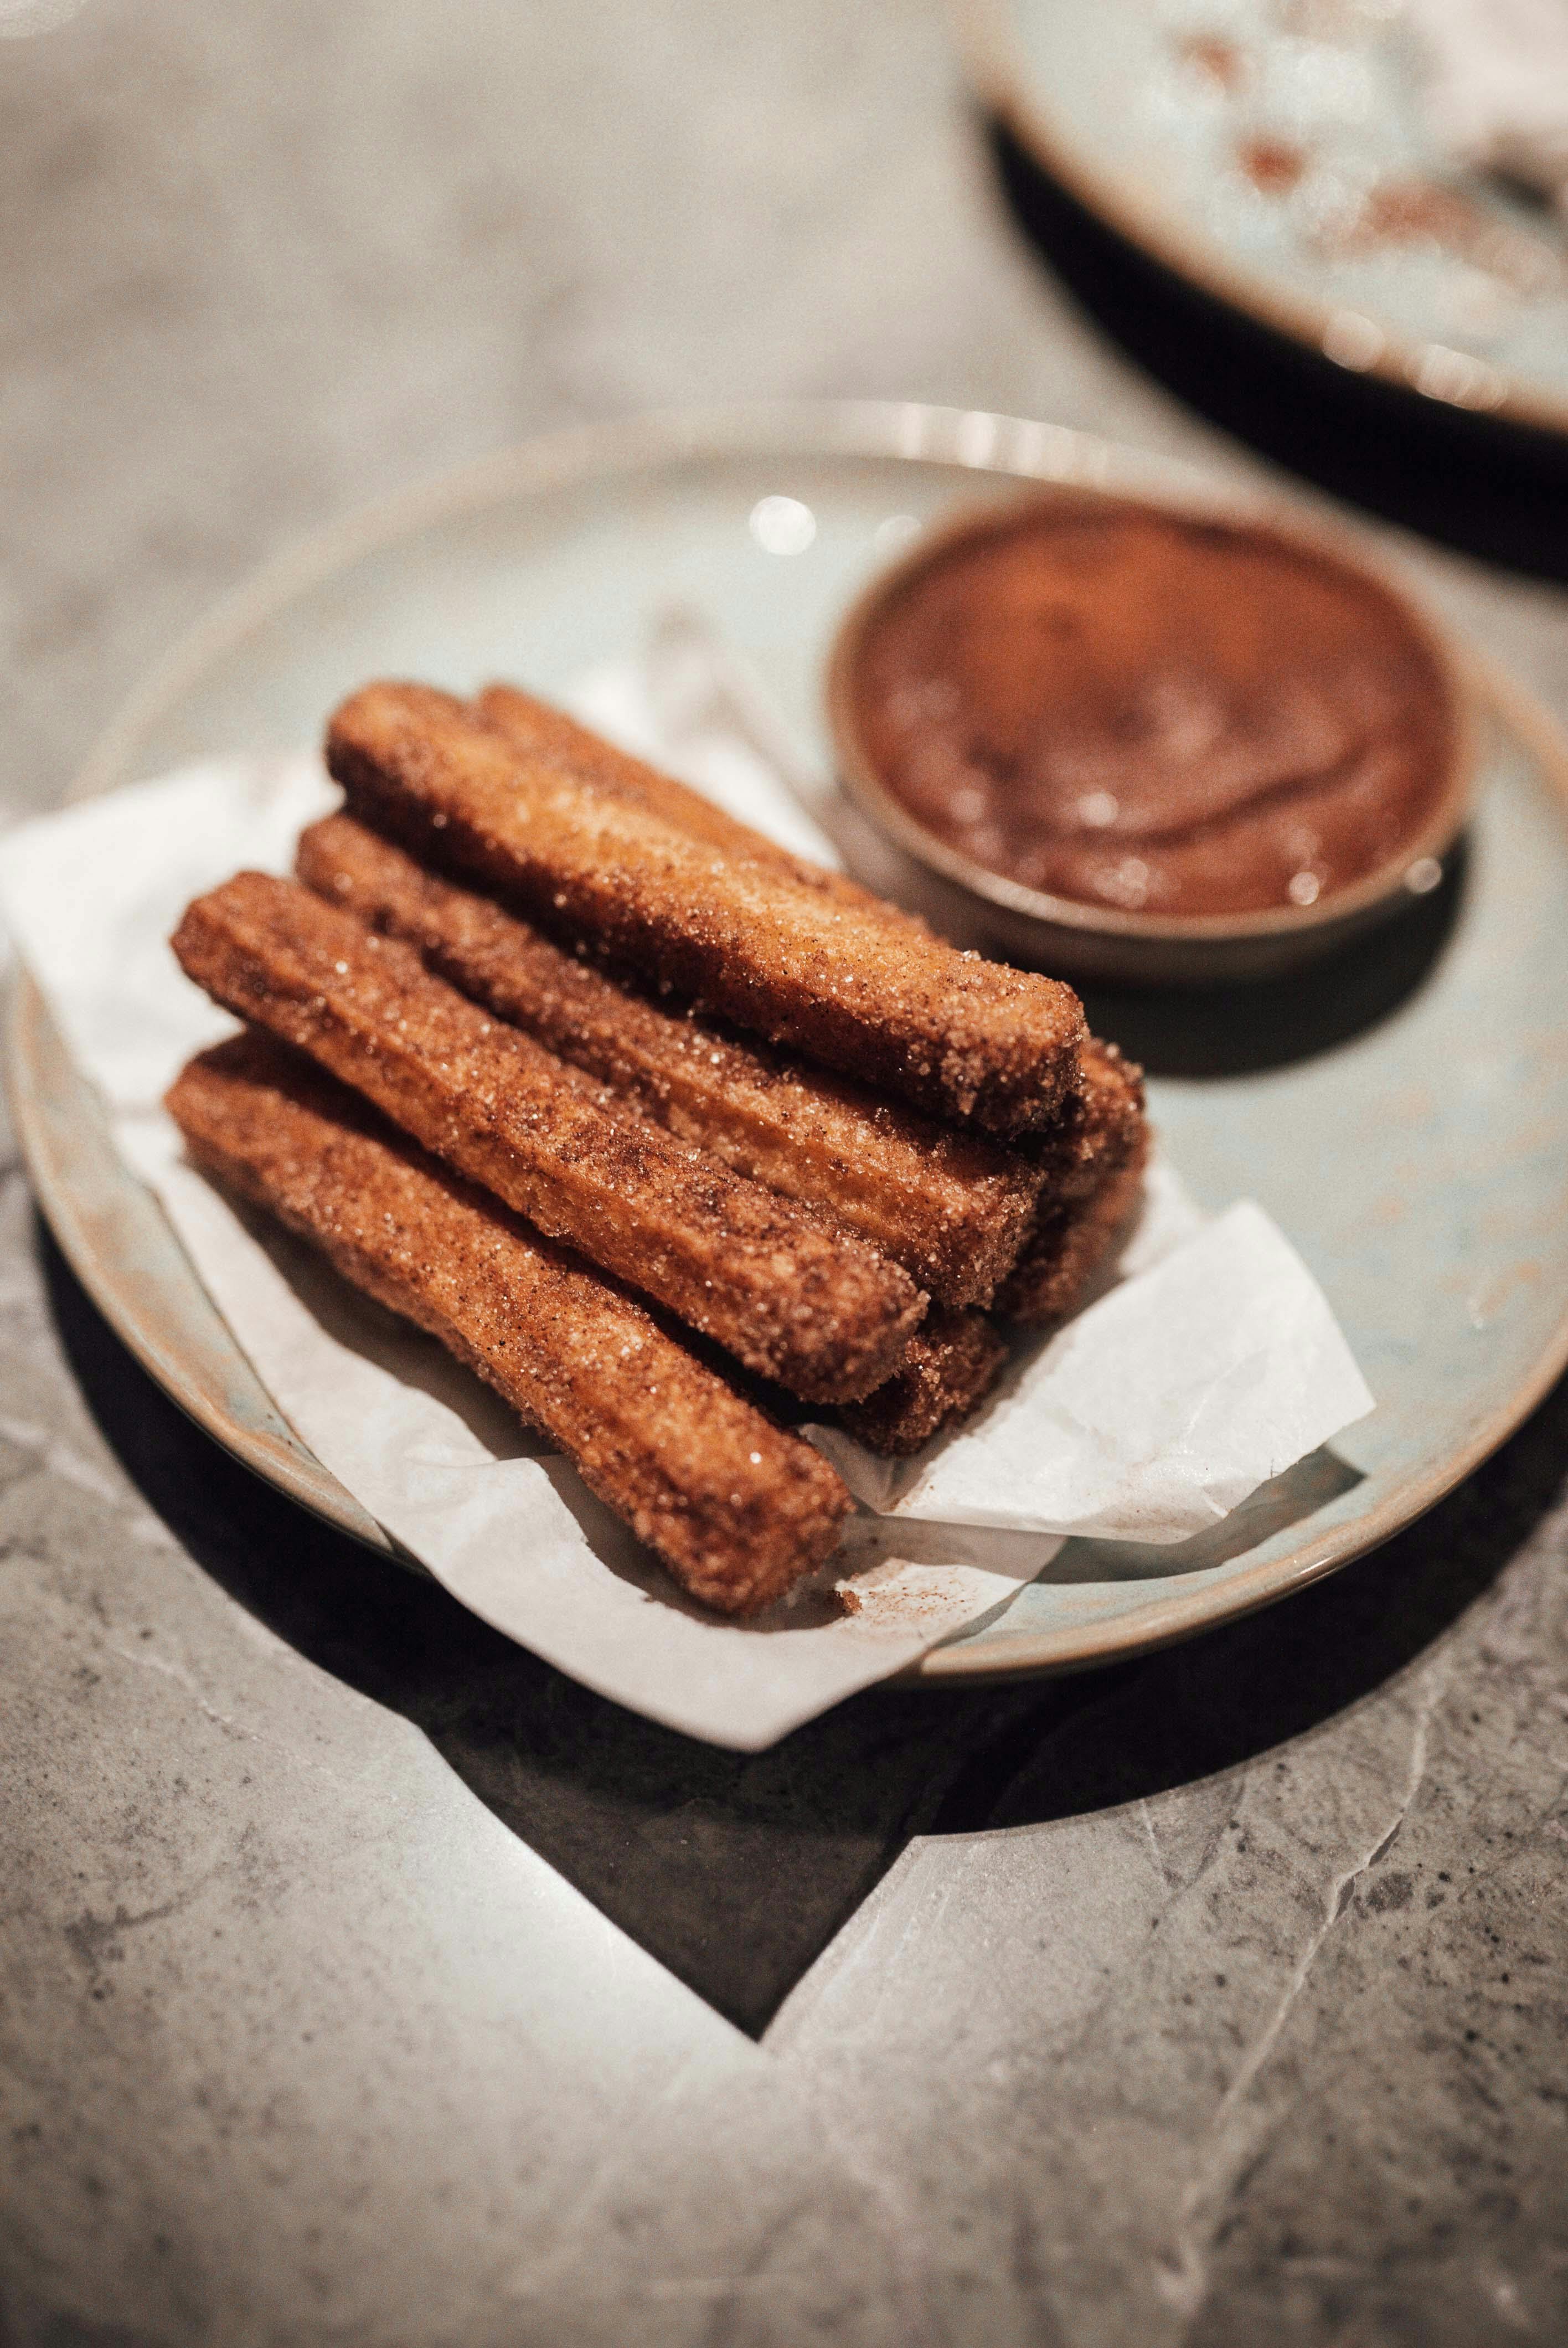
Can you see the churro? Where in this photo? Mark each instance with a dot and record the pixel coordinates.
(811, 1307)
(1069, 1245)
(737, 1509)
(953, 1209)
(953, 1361)
(956, 1036)
(1100, 1129)
(1093, 1169)
(536, 729)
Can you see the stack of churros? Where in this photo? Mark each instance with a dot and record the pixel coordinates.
(675, 1138)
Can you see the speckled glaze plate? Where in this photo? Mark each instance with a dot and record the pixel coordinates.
(1419, 1162)
(1275, 152)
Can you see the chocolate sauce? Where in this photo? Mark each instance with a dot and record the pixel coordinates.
(1162, 714)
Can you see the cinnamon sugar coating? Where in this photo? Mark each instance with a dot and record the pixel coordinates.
(536, 729)
(811, 1307)
(1070, 1246)
(1100, 1130)
(956, 1035)
(953, 1361)
(737, 1509)
(953, 1209)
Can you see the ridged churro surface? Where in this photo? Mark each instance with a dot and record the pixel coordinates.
(956, 1036)
(953, 1361)
(818, 1310)
(953, 1209)
(738, 1510)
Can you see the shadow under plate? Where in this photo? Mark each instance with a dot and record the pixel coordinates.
(734, 1871)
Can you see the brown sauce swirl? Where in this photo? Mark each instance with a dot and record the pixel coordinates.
(1144, 711)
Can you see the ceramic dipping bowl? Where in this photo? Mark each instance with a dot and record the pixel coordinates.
(1127, 658)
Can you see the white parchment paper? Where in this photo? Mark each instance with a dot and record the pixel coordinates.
(1213, 1365)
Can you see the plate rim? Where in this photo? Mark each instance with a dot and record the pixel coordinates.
(997, 72)
(30, 1039)
(977, 440)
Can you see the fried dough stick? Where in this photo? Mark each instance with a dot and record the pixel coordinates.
(1069, 1247)
(954, 1210)
(1100, 1129)
(736, 1508)
(955, 1358)
(956, 1035)
(1093, 1169)
(953, 1361)
(1094, 1180)
(816, 1310)
(537, 730)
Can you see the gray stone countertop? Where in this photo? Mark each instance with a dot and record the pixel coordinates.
(346, 1956)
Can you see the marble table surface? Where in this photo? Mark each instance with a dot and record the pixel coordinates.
(360, 1981)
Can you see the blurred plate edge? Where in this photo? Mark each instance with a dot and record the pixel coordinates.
(998, 75)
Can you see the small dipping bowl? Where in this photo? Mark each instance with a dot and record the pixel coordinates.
(1152, 743)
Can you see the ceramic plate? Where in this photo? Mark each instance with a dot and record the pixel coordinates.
(1419, 1163)
(1275, 152)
